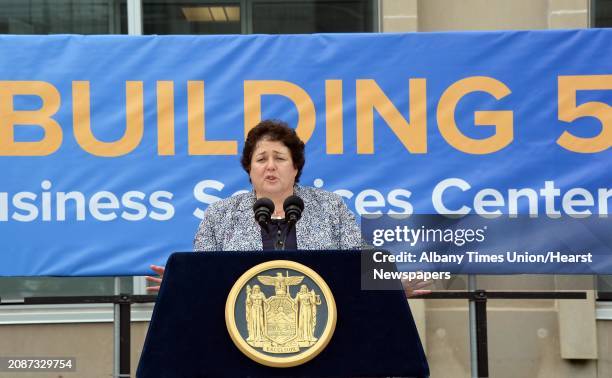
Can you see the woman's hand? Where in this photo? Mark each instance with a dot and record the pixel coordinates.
(413, 287)
(160, 272)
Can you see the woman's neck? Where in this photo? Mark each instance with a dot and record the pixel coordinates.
(279, 212)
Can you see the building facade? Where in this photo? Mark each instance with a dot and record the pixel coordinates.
(526, 338)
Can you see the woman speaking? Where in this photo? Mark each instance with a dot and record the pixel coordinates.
(273, 157)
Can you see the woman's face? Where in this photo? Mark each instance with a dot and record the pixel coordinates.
(272, 171)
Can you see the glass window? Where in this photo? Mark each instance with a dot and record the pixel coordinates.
(257, 16)
(300, 17)
(63, 17)
(17, 288)
(604, 285)
(191, 17)
(603, 13)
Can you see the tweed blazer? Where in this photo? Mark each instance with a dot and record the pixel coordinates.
(326, 223)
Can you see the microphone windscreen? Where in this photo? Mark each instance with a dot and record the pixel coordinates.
(293, 201)
(265, 203)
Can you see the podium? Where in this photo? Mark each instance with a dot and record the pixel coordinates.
(374, 335)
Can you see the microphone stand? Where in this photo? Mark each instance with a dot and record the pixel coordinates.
(293, 207)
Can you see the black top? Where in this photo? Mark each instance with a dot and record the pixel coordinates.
(277, 228)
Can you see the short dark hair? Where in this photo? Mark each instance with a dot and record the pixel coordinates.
(275, 131)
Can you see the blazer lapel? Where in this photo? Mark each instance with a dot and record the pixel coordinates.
(250, 238)
(306, 238)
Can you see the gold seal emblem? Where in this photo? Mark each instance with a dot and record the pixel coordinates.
(280, 313)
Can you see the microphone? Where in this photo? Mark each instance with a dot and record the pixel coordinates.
(293, 207)
(263, 208)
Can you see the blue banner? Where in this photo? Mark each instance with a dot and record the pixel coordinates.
(111, 147)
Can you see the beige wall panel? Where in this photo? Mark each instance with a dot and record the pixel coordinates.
(577, 327)
(579, 369)
(90, 343)
(399, 16)
(448, 345)
(604, 348)
(568, 14)
(522, 343)
(395, 7)
(417, 308)
(399, 24)
(139, 332)
(447, 304)
(439, 15)
(522, 304)
(569, 21)
(526, 344)
(568, 4)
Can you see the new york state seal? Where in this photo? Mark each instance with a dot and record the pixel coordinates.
(280, 313)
